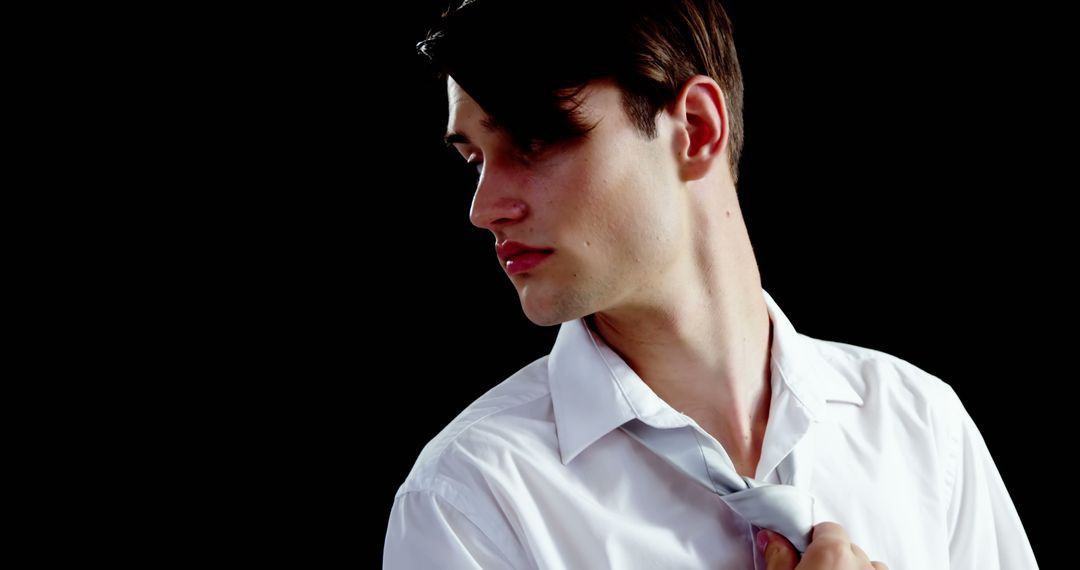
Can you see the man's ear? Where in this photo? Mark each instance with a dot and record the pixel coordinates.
(701, 121)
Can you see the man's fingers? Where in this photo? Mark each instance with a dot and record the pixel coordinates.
(859, 553)
(779, 553)
(826, 531)
(831, 547)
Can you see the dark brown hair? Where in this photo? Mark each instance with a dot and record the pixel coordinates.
(525, 63)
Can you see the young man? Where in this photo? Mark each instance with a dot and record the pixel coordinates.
(679, 413)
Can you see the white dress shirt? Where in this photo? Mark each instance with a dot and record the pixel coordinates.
(535, 473)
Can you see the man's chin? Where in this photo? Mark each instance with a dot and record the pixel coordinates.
(544, 323)
(541, 318)
(546, 312)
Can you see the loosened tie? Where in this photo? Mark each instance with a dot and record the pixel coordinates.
(782, 508)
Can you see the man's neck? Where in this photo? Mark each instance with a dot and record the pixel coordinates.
(702, 342)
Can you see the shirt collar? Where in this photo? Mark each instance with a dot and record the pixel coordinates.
(594, 391)
(812, 378)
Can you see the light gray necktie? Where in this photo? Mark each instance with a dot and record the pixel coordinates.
(783, 508)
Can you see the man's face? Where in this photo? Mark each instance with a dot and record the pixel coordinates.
(608, 209)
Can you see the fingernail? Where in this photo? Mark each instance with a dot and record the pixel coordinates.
(762, 539)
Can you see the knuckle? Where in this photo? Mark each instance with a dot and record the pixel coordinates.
(835, 550)
(776, 552)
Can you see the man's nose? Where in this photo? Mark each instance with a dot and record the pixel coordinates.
(496, 203)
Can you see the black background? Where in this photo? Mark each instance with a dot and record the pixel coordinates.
(896, 180)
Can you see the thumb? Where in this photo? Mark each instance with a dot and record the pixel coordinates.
(779, 553)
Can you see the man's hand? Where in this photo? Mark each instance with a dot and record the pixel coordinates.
(829, 549)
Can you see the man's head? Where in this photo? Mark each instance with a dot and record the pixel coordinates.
(590, 145)
(524, 62)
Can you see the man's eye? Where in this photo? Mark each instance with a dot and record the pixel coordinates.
(478, 165)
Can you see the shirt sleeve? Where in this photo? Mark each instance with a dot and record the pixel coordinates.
(985, 531)
(427, 532)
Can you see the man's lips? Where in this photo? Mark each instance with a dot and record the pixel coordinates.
(518, 257)
(526, 261)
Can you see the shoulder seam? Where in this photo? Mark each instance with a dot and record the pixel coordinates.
(439, 496)
(488, 415)
(453, 439)
(952, 456)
